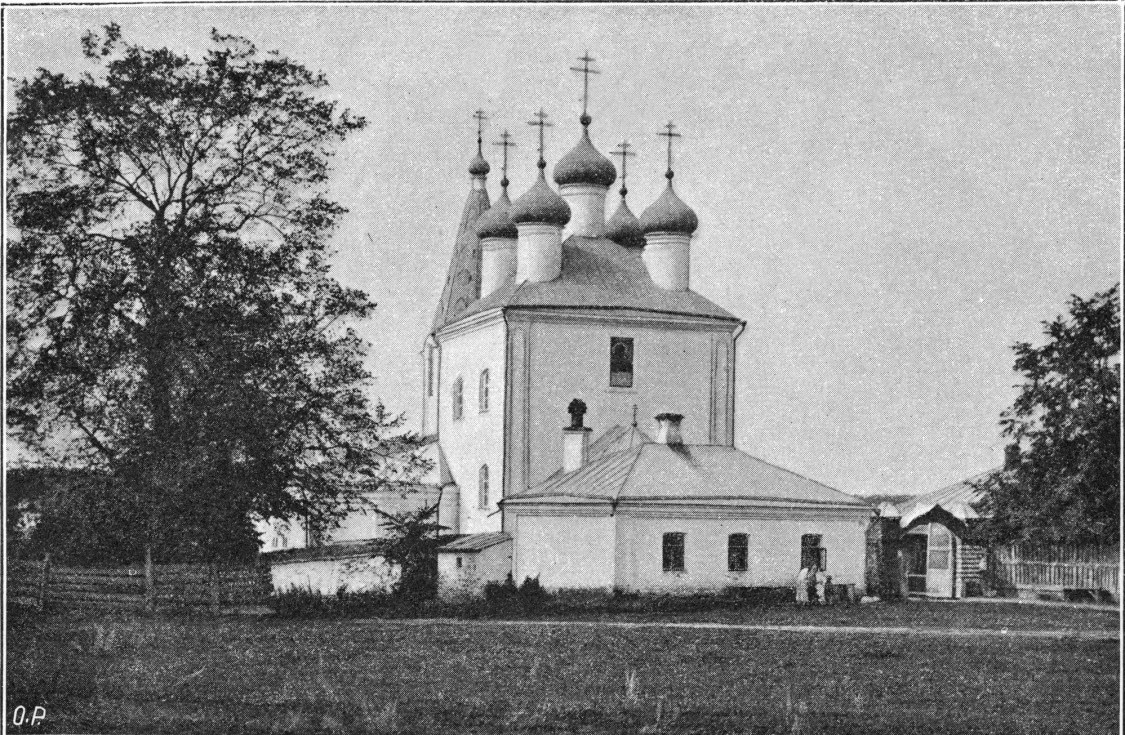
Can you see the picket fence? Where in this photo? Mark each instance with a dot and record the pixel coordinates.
(1048, 568)
(151, 587)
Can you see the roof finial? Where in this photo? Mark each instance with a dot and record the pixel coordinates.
(480, 117)
(540, 122)
(505, 142)
(585, 71)
(623, 151)
(670, 127)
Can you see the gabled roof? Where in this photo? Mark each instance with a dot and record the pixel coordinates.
(462, 283)
(615, 439)
(697, 472)
(957, 499)
(599, 274)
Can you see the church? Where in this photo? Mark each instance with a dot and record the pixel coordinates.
(557, 334)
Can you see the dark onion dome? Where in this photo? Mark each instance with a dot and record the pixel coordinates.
(584, 165)
(479, 166)
(669, 214)
(623, 227)
(497, 221)
(540, 204)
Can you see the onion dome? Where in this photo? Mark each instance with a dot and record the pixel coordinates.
(540, 204)
(497, 221)
(479, 166)
(669, 214)
(584, 165)
(623, 227)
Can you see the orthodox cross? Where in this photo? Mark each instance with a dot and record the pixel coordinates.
(623, 151)
(669, 135)
(480, 117)
(585, 71)
(505, 142)
(540, 122)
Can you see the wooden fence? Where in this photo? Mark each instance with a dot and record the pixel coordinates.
(142, 587)
(1055, 568)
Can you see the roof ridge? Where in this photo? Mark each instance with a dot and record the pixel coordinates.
(637, 450)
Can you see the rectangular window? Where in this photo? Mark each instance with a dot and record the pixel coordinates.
(458, 397)
(621, 362)
(430, 372)
(811, 553)
(673, 552)
(483, 391)
(738, 552)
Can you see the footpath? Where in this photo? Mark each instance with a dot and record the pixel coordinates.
(828, 630)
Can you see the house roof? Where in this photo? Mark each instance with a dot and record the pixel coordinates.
(694, 473)
(474, 542)
(599, 274)
(957, 499)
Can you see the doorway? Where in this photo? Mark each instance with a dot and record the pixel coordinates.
(929, 550)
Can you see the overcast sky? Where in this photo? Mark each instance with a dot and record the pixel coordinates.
(889, 195)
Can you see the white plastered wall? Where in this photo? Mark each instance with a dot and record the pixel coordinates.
(564, 552)
(476, 438)
(327, 576)
(672, 371)
(476, 569)
(774, 552)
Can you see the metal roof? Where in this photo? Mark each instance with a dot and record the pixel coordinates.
(475, 542)
(957, 499)
(660, 472)
(462, 283)
(599, 274)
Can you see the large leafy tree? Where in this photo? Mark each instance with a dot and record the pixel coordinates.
(1066, 426)
(172, 322)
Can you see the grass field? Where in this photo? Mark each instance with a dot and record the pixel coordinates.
(198, 675)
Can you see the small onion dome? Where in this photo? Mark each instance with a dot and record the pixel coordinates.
(540, 204)
(497, 221)
(479, 166)
(584, 165)
(669, 214)
(623, 227)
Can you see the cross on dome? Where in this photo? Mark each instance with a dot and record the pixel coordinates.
(540, 122)
(585, 71)
(480, 117)
(670, 133)
(623, 151)
(505, 142)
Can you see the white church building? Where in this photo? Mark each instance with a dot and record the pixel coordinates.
(556, 330)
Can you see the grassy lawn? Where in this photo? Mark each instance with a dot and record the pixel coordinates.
(198, 675)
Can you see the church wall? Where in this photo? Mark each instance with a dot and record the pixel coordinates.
(477, 438)
(370, 573)
(565, 552)
(674, 369)
(774, 552)
(466, 573)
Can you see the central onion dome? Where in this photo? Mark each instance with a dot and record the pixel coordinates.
(584, 165)
(497, 221)
(478, 166)
(540, 204)
(623, 227)
(669, 214)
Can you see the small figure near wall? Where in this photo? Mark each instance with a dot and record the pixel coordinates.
(821, 586)
(803, 586)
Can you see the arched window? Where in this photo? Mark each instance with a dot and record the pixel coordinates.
(458, 397)
(482, 488)
(483, 393)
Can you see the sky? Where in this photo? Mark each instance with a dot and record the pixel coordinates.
(889, 195)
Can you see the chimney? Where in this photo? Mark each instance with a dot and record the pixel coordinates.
(668, 429)
(1011, 457)
(576, 438)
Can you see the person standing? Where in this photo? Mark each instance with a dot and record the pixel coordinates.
(821, 581)
(803, 586)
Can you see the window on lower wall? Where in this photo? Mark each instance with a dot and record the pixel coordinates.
(738, 552)
(812, 553)
(673, 552)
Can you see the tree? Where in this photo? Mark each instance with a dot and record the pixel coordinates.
(1066, 427)
(171, 317)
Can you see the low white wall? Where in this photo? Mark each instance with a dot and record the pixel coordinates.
(774, 552)
(565, 552)
(327, 576)
(476, 569)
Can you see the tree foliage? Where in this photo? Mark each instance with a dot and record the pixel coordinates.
(172, 321)
(1066, 424)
